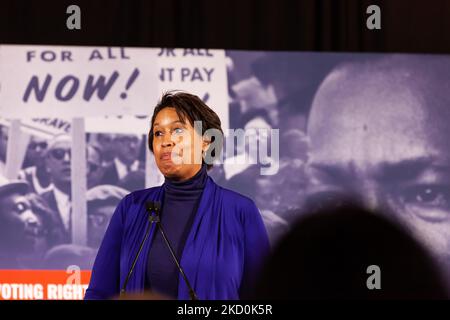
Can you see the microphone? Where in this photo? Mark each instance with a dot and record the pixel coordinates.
(150, 206)
(156, 219)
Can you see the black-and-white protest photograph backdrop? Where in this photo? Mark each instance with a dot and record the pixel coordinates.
(302, 130)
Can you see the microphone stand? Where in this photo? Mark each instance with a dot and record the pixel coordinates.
(147, 233)
(155, 207)
(156, 219)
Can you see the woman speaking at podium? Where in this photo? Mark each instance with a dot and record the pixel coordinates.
(217, 235)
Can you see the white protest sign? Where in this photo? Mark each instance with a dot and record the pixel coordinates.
(119, 124)
(51, 126)
(67, 82)
(198, 71)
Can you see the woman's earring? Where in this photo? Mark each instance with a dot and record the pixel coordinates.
(203, 155)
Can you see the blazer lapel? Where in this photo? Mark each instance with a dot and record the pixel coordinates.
(201, 231)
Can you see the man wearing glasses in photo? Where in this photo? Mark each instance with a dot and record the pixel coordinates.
(57, 161)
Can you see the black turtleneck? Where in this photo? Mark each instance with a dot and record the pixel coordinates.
(178, 210)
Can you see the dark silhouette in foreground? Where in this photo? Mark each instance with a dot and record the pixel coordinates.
(327, 254)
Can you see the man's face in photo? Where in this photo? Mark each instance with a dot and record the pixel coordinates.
(127, 147)
(20, 227)
(36, 150)
(58, 161)
(380, 133)
(106, 144)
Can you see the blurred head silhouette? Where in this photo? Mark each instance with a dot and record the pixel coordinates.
(350, 253)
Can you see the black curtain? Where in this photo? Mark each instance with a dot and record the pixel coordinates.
(328, 25)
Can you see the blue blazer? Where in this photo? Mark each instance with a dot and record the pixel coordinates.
(221, 258)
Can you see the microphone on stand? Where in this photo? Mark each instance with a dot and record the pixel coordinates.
(156, 207)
